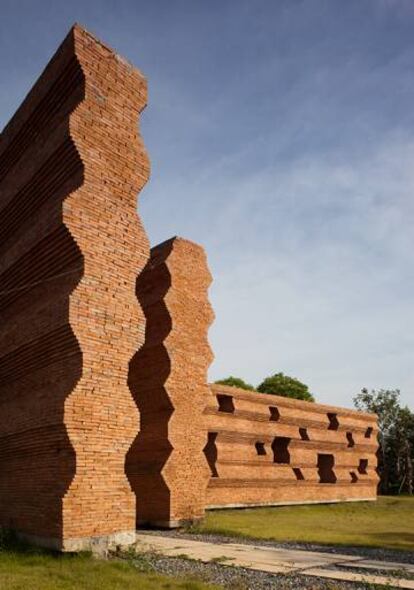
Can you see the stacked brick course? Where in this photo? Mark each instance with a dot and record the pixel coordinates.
(168, 378)
(266, 449)
(71, 245)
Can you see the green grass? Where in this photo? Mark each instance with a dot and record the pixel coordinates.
(387, 523)
(22, 569)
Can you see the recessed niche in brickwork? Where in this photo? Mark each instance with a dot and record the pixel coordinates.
(280, 448)
(274, 414)
(298, 474)
(210, 451)
(363, 466)
(368, 432)
(260, 448)
(354, 477)
(303, 433)
(225, 403)
(350, 439)
(326, 472)
(333, 421)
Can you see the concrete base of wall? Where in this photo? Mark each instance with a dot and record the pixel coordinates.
(98, 545)
(169, 524)
(286, 503)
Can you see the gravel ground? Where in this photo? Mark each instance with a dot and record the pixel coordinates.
(233, 578)
(367, 552)
(397, 573)
(238, 578)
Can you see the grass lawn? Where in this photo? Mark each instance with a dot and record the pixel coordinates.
(20, 570)
(388, 523)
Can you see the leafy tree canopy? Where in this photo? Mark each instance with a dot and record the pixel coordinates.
(235, 382)
(384, 402)
(280, 384)
(396, 438)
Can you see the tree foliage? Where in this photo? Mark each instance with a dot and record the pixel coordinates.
(396, 438)
(280, 384)
(235, 382)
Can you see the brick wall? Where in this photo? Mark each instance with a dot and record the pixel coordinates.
(266, 449)
(71, 246)
(168, 378)
(76, 467)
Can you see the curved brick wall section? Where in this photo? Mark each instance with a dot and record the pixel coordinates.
(266, 449)
(168, 377)
(40, 266)
(71, 245)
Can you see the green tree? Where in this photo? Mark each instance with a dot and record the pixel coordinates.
(280, 384)
(395, 437)
(235, 382)
(402, 446)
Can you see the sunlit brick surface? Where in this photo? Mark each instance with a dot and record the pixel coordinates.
(71, 246)
(267, 449)
(166, 465)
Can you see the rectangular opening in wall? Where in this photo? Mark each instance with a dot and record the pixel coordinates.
(368, 432)
(354, 477)
(210, 451)
(350, 439)
(274, 414)
(303, 432)
(260, 448)
(280, 448)
(225, 403)
(333, 421)
(325, 468)
(363, 466)
(298, 474)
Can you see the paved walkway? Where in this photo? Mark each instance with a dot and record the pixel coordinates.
(282, 561)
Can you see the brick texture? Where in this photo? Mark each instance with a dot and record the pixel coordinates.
(168, 378)
(71, 246)
(266, 449)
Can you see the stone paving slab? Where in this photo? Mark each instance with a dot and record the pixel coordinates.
(382, 565)
(354, 577)
(209, 552)
(278, 561)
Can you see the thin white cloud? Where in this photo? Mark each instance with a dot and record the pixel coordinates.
(321, 279)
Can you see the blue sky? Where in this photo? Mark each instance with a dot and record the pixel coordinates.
(281, 136)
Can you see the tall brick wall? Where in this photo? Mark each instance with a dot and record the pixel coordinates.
(266, 449)
(168, 378)
(71, 246)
